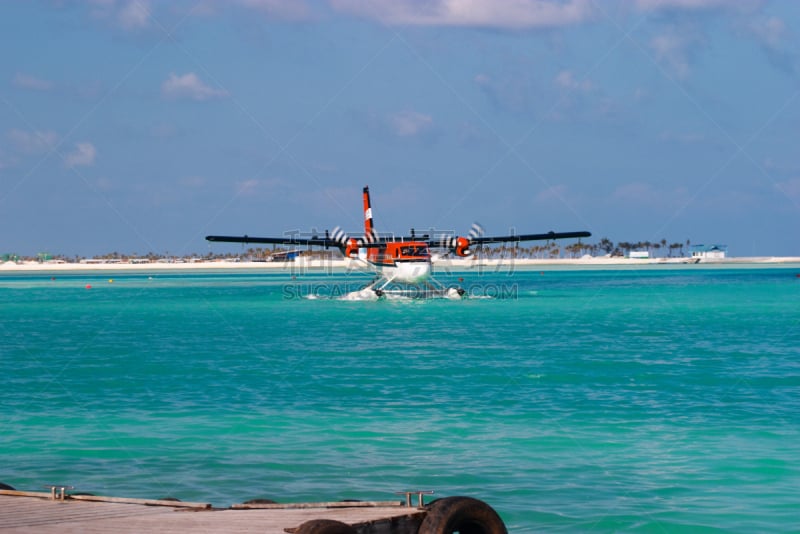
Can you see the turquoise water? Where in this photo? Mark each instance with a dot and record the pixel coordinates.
(571, 401)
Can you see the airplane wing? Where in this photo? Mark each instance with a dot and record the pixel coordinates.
(289, 240)
(461, 245)
(425, 238)
(529, 237)
(286, 240)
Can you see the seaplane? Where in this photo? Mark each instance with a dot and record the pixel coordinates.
(402, 265)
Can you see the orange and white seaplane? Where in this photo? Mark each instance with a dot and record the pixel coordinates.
(402, 264)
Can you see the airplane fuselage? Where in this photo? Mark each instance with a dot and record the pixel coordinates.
(406, 261)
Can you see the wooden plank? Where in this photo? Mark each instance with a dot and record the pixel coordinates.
(146, 502)
(335, 504)
(100, 498)
(16, 493)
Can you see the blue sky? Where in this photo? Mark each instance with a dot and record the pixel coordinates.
(142, 126)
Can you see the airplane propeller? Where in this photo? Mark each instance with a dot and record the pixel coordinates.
(339, 236)
(349, 245)
(476, 231)
(460, 245)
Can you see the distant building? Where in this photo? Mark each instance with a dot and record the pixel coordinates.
(709, 252)
(289, 255)
(639, 254)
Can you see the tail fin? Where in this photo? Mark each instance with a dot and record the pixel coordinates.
(369, 230)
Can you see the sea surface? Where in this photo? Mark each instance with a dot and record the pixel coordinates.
(648, 400)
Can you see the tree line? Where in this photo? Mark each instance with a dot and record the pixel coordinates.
(549, 249)
(604, 247)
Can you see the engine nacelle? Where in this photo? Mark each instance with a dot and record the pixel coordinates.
(462, 247)
(351, 248)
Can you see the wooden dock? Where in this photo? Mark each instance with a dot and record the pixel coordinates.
(59, 512)
(25, 512)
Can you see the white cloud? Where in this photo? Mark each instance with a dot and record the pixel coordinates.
(673, 49)
(104, 184)
(193, 182)
(101, 8)
(509, 14)
(770, 31)
(5, 162)
(516, 94)
(675, 46)
(287, 10)
(189, 86)
(578, 99)
(683, 5)
(790, 188)
(567, 80)
(470, 134)
(246, 187)
(551, 194)
(640, 94)
(83, 155)
(293, 10)
(775, 39)
(130, 15)
(410, 123)
(26, 81)
(134, 15)
(36, 142)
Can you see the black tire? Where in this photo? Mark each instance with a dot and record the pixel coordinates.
(325, 526)
(461, 514)
(6, 487)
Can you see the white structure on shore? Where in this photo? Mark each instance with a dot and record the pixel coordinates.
(709, 252)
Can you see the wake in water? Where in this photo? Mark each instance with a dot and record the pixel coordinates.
(367, 294)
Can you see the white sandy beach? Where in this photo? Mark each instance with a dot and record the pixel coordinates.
(318, 265)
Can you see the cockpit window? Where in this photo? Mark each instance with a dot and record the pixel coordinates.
(415, 251)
